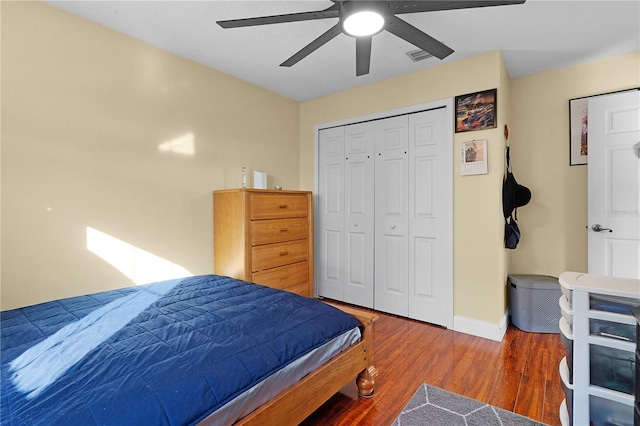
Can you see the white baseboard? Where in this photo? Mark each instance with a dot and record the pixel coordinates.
(482, 329)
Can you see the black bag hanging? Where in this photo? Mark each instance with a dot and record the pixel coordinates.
(514, 195)
(511, 233)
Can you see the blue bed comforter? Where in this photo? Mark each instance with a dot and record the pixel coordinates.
(163, 353)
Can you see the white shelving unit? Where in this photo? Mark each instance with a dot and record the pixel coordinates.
(598, 328)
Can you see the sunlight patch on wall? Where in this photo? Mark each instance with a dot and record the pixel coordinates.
(138, 265)
(181, 145)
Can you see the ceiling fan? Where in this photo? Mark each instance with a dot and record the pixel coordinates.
(363, 19)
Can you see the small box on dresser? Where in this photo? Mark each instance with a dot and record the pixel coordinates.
(265, 236)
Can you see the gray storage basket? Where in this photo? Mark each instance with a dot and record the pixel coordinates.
(534, 303)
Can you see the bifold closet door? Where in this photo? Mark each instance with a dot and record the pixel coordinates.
(391, 223)
(430, 219)
(359, 214)
(346, 214)
(330, 214)
(384, 215)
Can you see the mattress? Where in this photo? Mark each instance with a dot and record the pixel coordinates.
(174, 352)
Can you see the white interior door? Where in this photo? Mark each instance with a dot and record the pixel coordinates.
(391, 225)
(330, 214)
(359, 217)
(430, 218)
(614, 185)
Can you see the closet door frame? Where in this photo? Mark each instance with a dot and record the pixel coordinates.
(447, 260)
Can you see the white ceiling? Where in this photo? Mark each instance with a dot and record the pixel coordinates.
(539, 35)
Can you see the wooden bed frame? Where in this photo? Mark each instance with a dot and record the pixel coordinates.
(297, 402)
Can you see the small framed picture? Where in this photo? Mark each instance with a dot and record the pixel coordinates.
(578, 127)
(473, 157)
(476, 111)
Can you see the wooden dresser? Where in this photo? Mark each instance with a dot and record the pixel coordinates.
(265, 236)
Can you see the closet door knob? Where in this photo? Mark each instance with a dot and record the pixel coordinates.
(393, 227)
(355, 224)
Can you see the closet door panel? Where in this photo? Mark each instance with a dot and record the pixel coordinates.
(391, 208)
(332, 265)
(421, 227)
(421, 274)
(357, 285)
(359, 215)
(392, 272)
(330, 214)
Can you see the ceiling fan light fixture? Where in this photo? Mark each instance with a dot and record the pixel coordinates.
(363, 18)
(363, 23)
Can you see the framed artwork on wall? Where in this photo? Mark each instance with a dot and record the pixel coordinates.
(476, 111)
(579, 128)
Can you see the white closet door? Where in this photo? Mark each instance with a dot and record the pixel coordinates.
(430, 227)
(359, 217)
(330, 214)
(391, 205)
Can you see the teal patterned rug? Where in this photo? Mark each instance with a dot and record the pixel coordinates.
(437, 407)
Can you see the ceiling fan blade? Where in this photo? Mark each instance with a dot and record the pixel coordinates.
(398, 7)
(408, 32)
(363, 55)
(313, 46)
(331, 12)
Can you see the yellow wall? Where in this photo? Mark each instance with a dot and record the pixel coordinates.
(554, 224)
(84, 113)
(479, 256)
(85, 109)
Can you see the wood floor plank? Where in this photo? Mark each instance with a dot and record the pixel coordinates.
(519, 374)
(553, 387)
(530, 398)
(515, 351)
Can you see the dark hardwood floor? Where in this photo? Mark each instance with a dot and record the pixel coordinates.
(519, 374)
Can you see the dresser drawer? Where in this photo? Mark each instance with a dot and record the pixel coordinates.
(279, 254)
(274, 206)
(278, 230)
(283, 276)
(302, 289)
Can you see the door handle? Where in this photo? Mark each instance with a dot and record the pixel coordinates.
(599, 228)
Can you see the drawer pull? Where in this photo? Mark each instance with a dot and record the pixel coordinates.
(284, 253)
(284, 230)
(284, 277)
(282, 206)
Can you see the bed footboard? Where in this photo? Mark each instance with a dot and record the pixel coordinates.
(366, 378)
